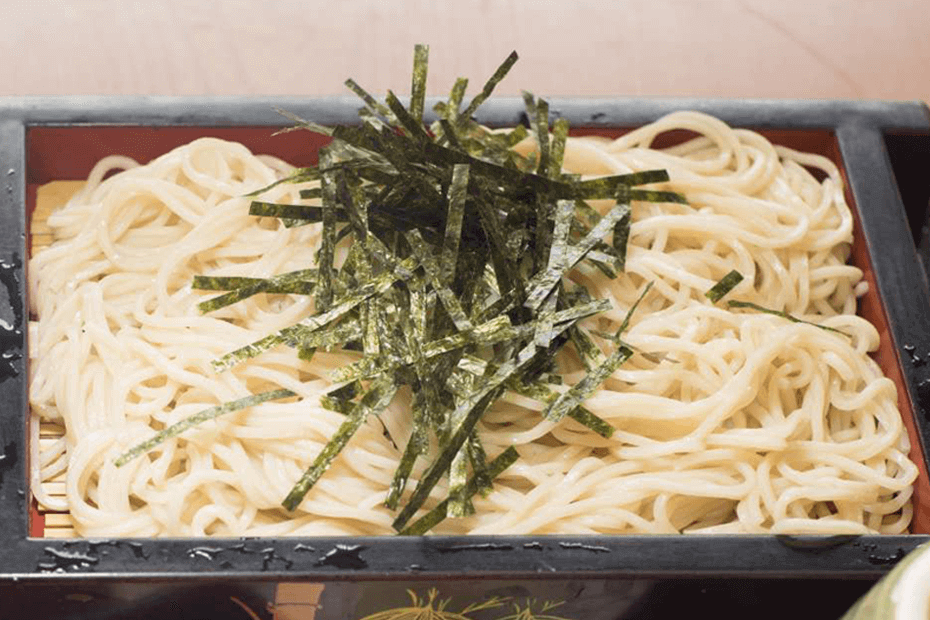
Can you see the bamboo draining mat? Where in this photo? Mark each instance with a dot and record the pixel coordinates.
(50, 197)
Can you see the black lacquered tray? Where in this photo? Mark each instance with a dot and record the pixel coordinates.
(877, 146)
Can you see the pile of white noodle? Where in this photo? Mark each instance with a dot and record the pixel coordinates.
(727, 421)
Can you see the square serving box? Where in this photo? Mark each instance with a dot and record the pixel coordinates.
(882, 149)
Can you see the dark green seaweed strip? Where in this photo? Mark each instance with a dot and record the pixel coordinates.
(629, 313)
(581, 311)
(376, 286)
(516, 182)
(724, 286)
(295, 282)
(557, 148)
(373, 104)
(592, 421)
(504, 269)
(590, 354)
(300, 175)
(529, 105)
(435, 516)
(402, 474)
(374, 401)
(303, 287)
(542, 243)
(479, 463)
(300, 123)
(564, 214)
(541, 392)
(515, 135)
(604, 262)
(492, 82)
(448, 135)
(341, 399)
(644, 195)
(408, 122)
(346, 330)
(607, 186)
(357, 213)
(545, 330)
(588, 216)
(458, 188)
(293, 212)
(191, 421)
(544, 281)
(392, 348)
(542, 137)
(418, 80)
(459, 502)
(448, 298)
(583, 390)
(456, 95)
(371, 335)
(229, 283)
(222, 283)
(311, 193)
(473, 407)
(621, 239)
(324, 291)
(782, 314)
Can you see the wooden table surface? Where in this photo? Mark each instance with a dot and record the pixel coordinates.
(711, 48)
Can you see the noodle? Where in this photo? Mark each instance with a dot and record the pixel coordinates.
(729, 421)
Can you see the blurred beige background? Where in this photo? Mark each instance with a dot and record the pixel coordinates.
(716, 48)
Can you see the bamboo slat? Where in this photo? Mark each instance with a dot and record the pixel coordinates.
(49, 198)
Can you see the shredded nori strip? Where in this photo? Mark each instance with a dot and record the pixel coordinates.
(373, 105)
(542, 137)
(541, 392)
(456, 95)
(435, 516)
(418, 86)
(324, 290)
(207, 414)
(293, 212)
(454, 218)
(296, 283)
(724, 286)
(489, 86)
(374, 402)
(582, 390)
(629, 314)
(340, 399)
(300, 175)
(557, 148)
(782, 314)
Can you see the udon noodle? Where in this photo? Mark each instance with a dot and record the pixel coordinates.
(729, 421)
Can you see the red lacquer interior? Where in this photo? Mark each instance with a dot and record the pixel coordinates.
(57, 153)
